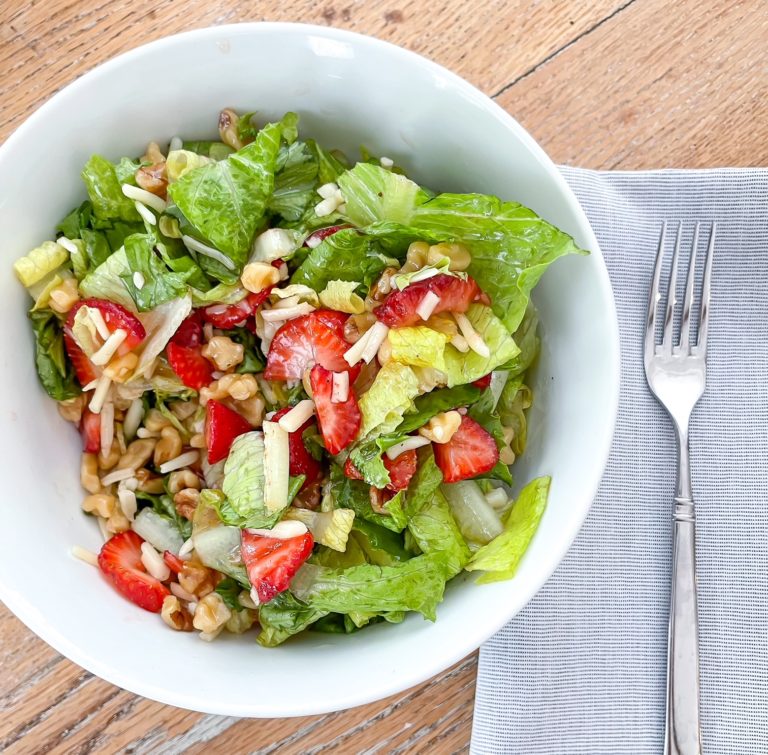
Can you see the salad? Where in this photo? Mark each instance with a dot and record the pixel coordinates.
(299, 382)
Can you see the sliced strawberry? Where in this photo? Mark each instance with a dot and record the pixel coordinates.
(120, 561)
(190, 365)
(190, 332)
(321, 234)
(455, 295)
(116, 317)
(222, 426)
(351, 471)
(173, 562)
(340, 422)
(470, 452)
(227, 316)
(311, 339)
(84, 369)
(401, 469)
(483, 382)
(272, 562)
(301, 461)
(90, 430)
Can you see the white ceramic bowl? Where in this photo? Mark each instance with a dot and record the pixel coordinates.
(349, 90)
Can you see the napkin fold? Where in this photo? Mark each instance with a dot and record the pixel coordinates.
(581, 670)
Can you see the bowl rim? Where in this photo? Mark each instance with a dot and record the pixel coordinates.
(37, 623)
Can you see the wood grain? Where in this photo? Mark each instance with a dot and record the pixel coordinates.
(600, 83)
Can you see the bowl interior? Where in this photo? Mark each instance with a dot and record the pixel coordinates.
(349, 90)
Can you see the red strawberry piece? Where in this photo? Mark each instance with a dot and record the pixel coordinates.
(90, 430)
(190, 332)
(401, 469)
(190, 365)
(120, 562)
(321, 234)
(272, 562)
(351, 471)
(301, 461)
(307, 340)
(84, 369)
(483, 382)
(222, 426)
(470, 452)
(399, 308)
(173, 562)
(340, 422)
(226, 316)
(116, 317)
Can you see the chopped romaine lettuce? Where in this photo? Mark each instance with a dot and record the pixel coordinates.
(477, 520)
(434, 402)
(105, 282)
(347, 256)
(527, 339)
(515, 399)
(295, 181)
(225, 201)
(378, 544)
(41, 261)
(283, 617)
(430, 520)
(180, 161)
(413, 585)
(388, 398)
(485, 413)
(464, 368)
(104, 181)
(500, 558)
(355, 495)
(160, 324)
(157, 284)
(418, 346)
(53, 368)
(329, 528)
(341, 296)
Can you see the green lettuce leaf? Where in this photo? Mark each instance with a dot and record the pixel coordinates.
(513, 402)
(341, 296)
(295, 181)
(225, 201)
(355, 495)
(103, 181)
(435, 402)
(511, 246)
(283, 617)
(378, 545)
(160, 285)
(330, 165)
(372, 193)
(329, 528)
(500, 558)
(212, 149)
(229, 590)
(106, 281)
(344, 256)
(244, 481)
(527, 340)
(418, 346)
(465, 368)
(382, 406)
(180, 161)
(430, 520)
(413, 585)
(41, 261)
(53, 368)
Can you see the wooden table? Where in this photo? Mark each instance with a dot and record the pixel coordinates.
(612, 84)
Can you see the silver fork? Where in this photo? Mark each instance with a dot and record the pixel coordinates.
(676, 374)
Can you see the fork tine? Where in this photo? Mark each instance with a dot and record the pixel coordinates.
(672, 294)
(653, 303)
(685, 326)
(701, 346)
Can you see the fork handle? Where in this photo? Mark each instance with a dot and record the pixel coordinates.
(683, 736)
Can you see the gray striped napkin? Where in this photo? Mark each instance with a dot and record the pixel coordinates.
(581, 669)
